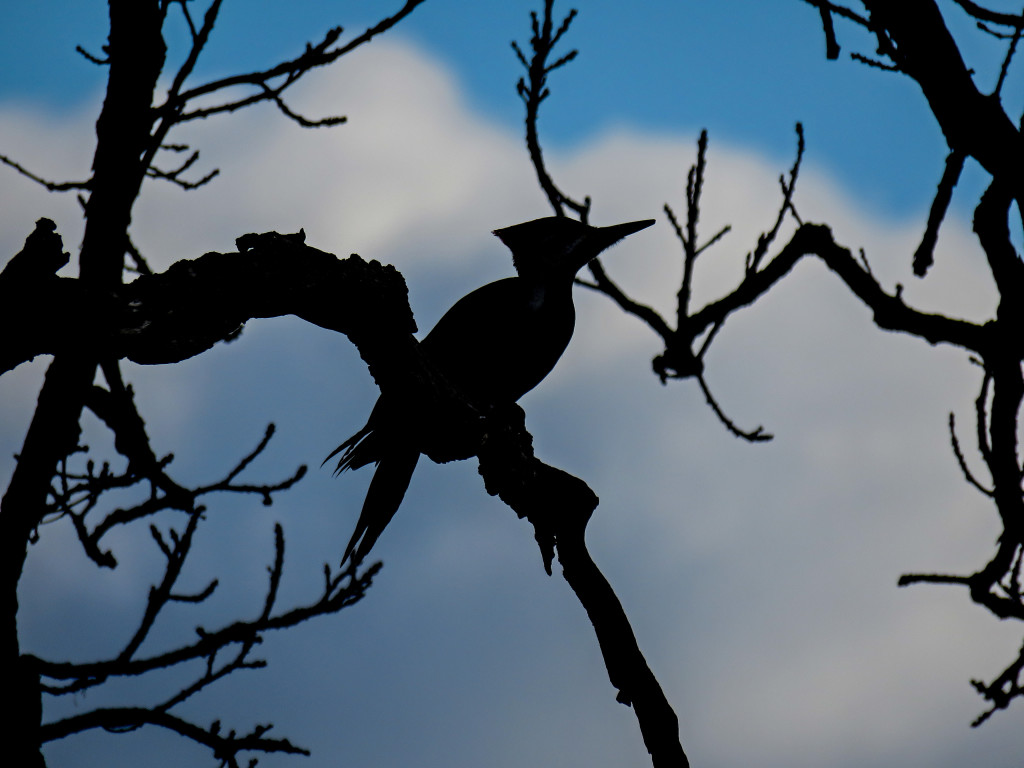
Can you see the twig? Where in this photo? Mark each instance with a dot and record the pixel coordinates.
(52, 186)
(831, 44)
(962, 462)
(874, 63)
(175, 176)
(225, 747)
(839, 10)
(984, 14)
(757, 435)
(788, 188)
(542, 42)
(924, 255)
(94, 59)
(1010, 50)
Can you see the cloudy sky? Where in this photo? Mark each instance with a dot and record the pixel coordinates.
(760, 579)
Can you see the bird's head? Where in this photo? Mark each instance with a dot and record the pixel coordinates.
(560, 246)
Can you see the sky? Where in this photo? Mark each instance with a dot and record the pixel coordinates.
(760, 579)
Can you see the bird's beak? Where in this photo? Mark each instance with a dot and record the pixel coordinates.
(616, 232)
(601, 238)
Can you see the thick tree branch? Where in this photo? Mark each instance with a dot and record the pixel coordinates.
(167, 317)
(992, 228)
(137, 53)
(973, 123)
(559, 507)
(890, 311)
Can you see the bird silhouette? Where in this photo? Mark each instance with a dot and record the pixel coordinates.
(494, 345)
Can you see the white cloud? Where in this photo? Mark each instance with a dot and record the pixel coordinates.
(761, 578)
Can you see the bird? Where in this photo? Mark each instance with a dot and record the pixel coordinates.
(494, 345)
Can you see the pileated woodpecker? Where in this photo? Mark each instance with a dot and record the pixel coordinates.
(495, 344)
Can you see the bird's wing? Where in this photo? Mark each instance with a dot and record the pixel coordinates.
(478, 341)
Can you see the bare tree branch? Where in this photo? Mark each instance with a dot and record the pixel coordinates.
(559, 506)
(1010, 50)
(52, 186)
(839, 10)
(1001, 691)
(102, 62)
(341, 590)
(533, 92)
(924, 255)
(289, 72)
(225, 747)
(962, 462)
(175, 176)
(49, 483)
(984, 14)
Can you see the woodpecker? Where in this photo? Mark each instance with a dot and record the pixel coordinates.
(494, 345)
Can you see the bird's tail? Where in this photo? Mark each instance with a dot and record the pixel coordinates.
(384, 496)
(355, 452)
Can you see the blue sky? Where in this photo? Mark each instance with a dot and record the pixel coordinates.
(746, 70)
(760, 579)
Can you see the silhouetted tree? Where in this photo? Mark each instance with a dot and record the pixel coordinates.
(92, 322)
(913, 39)
(910, 38)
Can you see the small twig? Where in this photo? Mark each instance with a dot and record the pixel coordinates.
(984, 14)
(993, 32)
(340, 591)
(52, 186)
(981, 419)
(542, 42)
(875, 63)
(864, 262)
(268, 433)
(1013, 587)
(839, 10)
(94, 59)
(712, 332)
(757, 435)
(305, 122)
(1010, 50)
(159, 595)
(313, 57)
(932, 578)
(188, 19)
(224, 747)
(1001, 691)
(694, 189)
(788, 188)
(197, 597)
(963, 462)
(139, 264)
(924, 255)
(175, 176)
(831, 44)
(605, 285)
(718, 236)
